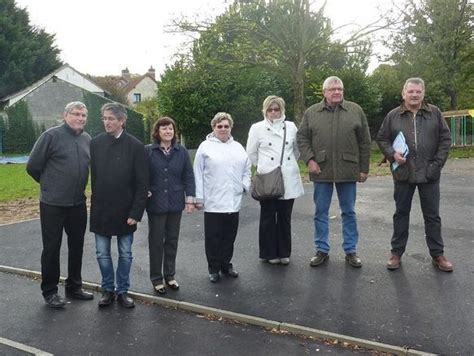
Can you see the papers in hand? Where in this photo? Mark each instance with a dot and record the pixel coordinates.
(400, 145)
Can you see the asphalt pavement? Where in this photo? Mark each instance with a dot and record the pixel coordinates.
(416, 307)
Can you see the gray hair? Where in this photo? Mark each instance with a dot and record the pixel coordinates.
(332, 79)
(75, 105)
(273, 99)
(221, 116)
(118, 110)
(415, 80)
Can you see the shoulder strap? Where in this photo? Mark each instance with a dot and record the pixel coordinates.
(284, 142)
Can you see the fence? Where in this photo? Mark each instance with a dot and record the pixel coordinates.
(461, 124)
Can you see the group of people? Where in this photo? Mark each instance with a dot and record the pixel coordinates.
(128, 178)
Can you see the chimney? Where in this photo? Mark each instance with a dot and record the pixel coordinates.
(151, 72)
(126, 74)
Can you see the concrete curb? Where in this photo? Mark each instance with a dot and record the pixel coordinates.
(244, 318)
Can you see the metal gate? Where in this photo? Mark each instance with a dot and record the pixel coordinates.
(461, 124)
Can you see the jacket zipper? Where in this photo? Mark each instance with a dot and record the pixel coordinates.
(414, 127)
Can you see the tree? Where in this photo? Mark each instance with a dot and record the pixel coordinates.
(149, 109)
(435, 41)
(193, 92)
(111, 85)
(387, 80)
(20, 134)
(284, 36)
(27, 53)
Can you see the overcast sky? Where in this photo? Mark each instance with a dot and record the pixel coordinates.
(102, 37)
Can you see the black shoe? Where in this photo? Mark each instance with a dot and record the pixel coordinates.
(107, 298)
(79, 294)
(214, 277)
(318, 259)
(354, 260)
(54, 301)
(230, 273)
(125, 301)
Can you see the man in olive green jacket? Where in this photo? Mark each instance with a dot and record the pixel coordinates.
(334, 141)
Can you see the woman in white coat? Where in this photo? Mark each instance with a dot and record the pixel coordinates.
(222, 174)
(264, 147)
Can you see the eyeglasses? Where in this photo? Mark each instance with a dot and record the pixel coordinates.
(78, 114)
(222, 126)
(335, 89)
(273, 110)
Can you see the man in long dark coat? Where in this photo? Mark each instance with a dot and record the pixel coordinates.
(119, 179)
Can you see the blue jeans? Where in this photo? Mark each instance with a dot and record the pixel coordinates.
(124, 244)
(346, 193)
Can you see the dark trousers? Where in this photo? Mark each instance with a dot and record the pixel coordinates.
(163, 233)
(429, 201)
(220, 231)
(275, 228)
(54, 219)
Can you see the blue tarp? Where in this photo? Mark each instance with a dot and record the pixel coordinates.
(17, 159)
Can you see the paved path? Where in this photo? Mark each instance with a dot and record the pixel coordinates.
(416, 306)
(147, 329)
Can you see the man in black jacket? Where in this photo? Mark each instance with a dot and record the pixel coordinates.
(119, 177)
(428, 141)
(59, 161)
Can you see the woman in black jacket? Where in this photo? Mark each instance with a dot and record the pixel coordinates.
(171, 190)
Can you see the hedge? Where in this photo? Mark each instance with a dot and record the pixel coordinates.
(19, 136)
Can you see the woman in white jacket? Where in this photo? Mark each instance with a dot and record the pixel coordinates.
(264, 147)
(222, 174)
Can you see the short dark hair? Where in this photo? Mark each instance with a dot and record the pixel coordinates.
(164, 121)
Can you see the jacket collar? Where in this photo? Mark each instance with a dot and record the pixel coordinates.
(156, 146)
(68, 129)
(322, 105)
(112, 138)
(212, 138)
(424, 107)
(275, 124)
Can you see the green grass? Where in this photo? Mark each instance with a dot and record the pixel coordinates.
(15, 183)
(461, 152)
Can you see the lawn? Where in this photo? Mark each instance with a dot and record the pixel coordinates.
(15, 183)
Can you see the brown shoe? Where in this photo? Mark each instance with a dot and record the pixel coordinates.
(394, 262)
(443, 264)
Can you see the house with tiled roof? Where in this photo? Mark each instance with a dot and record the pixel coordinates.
(133, 87)
(139, 88)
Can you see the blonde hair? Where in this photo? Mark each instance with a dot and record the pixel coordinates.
(273, 99)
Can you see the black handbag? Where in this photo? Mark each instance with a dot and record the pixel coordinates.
(270, 185)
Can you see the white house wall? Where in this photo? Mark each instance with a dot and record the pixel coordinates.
(71, 76)
(146, 87)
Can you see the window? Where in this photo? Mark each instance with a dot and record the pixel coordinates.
(137, 97)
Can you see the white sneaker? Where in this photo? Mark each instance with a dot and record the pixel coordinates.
(285, 260)
(274, 261)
